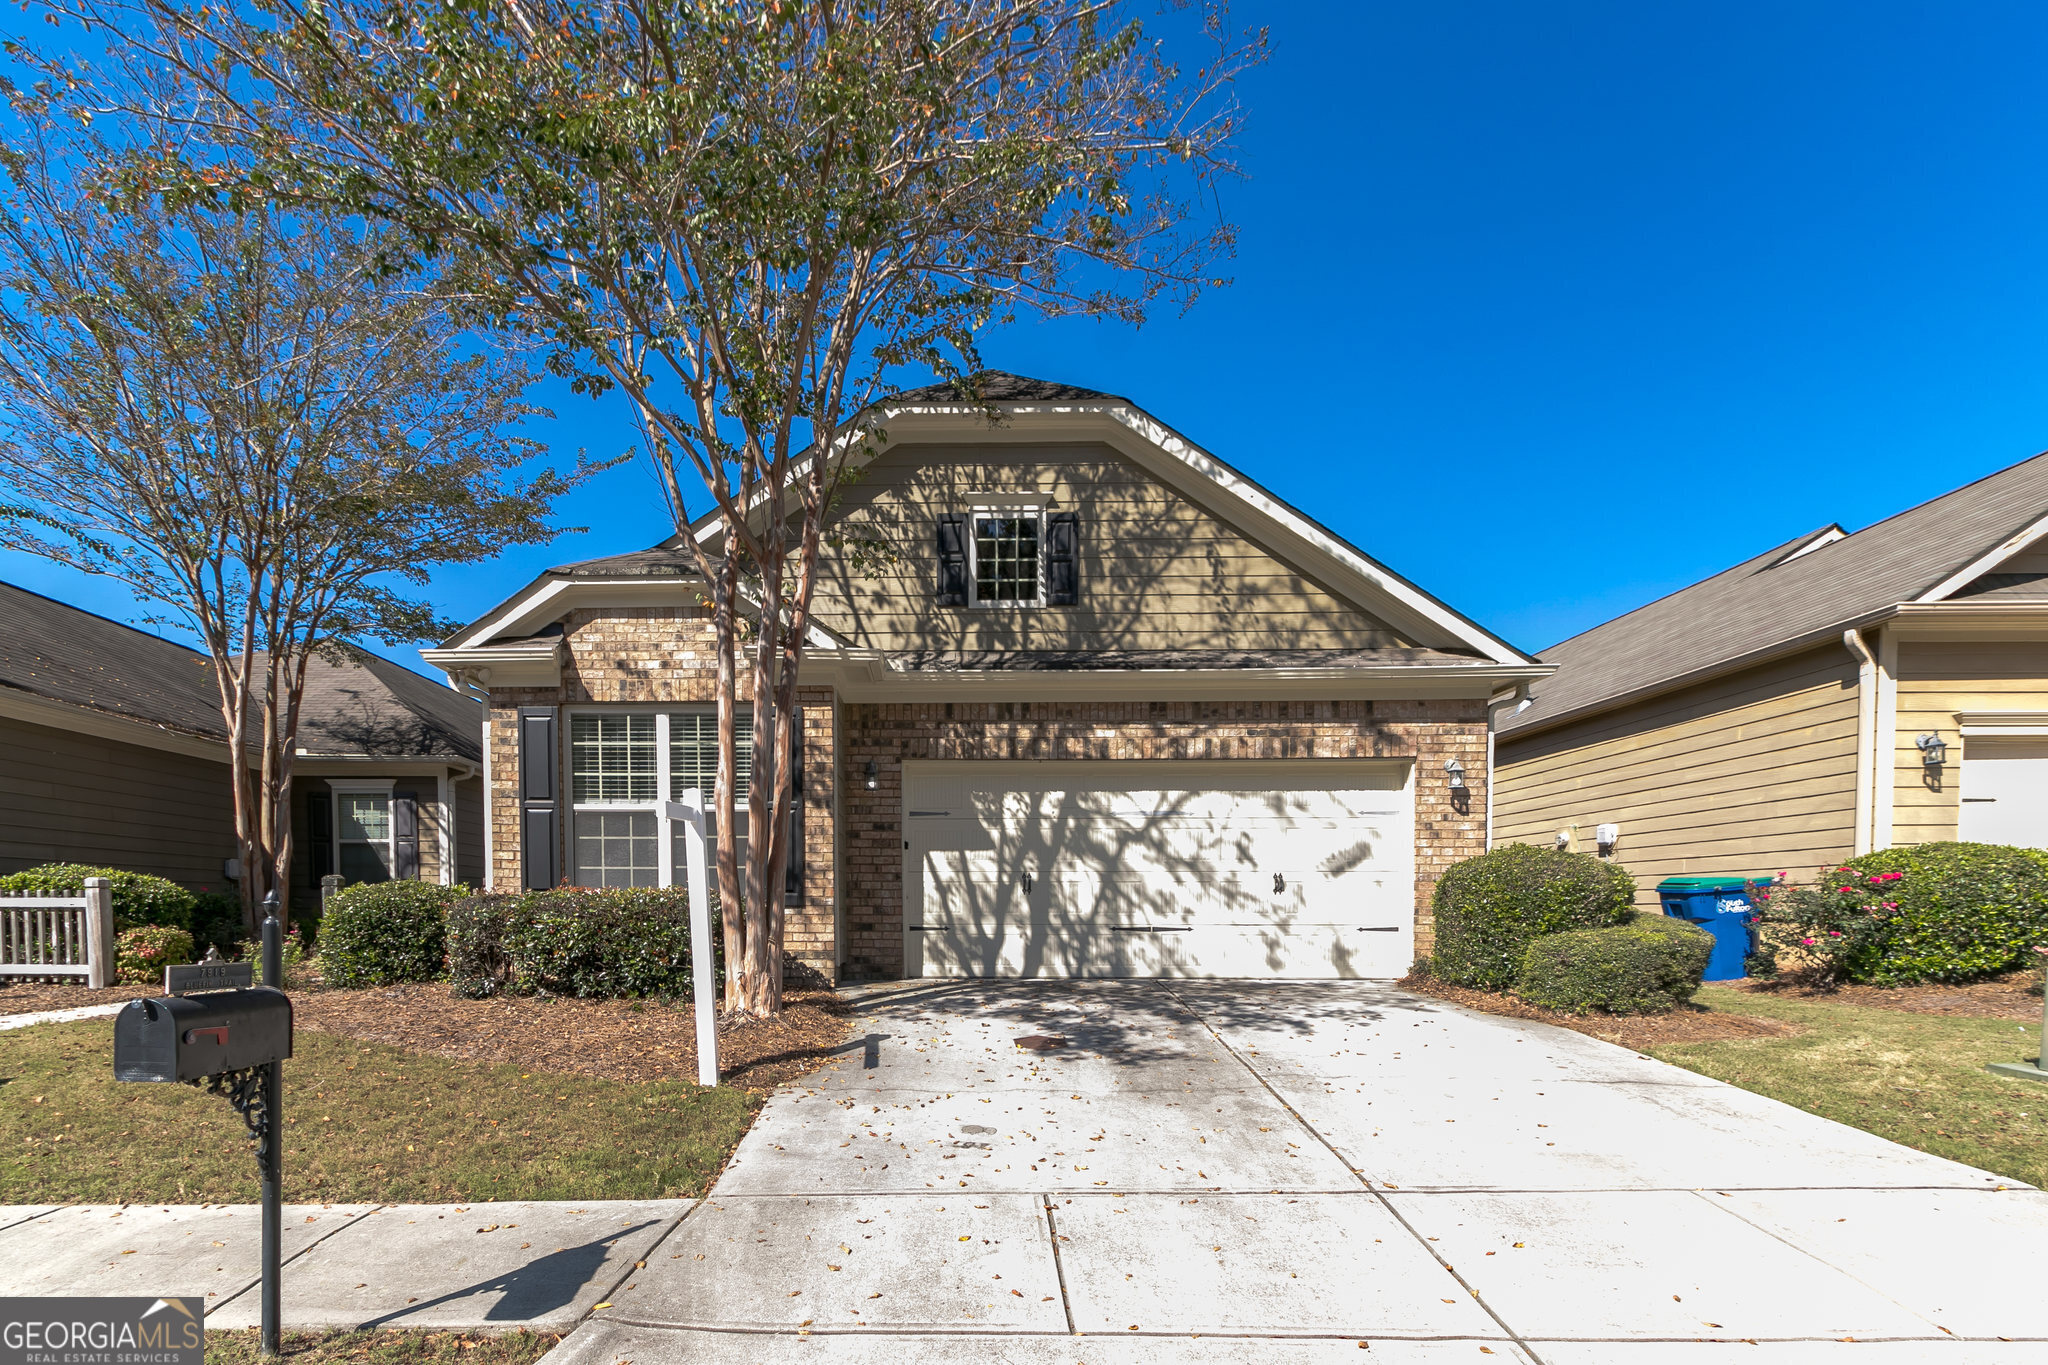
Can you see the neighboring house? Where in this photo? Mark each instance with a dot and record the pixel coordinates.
(1836, 694)
(113, 751)
(1099, 706)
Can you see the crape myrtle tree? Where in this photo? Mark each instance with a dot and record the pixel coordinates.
(745, 215)
(244, 416)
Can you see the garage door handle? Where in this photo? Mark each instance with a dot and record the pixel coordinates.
(1379, 928)
(1279, 883)
(1151, 928)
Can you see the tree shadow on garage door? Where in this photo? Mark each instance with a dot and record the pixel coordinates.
(1135, 1023)
(1240, 880)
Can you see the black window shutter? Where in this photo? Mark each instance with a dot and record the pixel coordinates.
(1063, 559)
(952, 586)
(405, 836)
(793, 866)
(320, 833)
(540, 838)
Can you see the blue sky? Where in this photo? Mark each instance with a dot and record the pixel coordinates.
(1557, 308)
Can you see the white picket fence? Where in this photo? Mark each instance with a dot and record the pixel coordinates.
(60, 936)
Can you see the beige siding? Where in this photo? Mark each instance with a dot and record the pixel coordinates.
(1751, 775)
(1936, 679)
(1157, 571)
(67, 797)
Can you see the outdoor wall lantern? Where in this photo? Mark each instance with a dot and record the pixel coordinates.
(1457, 772)
(1933, 753)
(874, 777)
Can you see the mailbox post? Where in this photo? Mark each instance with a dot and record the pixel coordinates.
(233, 1039)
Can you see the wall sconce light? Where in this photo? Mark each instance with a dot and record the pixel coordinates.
(1933, 752)
(874, 777)
(1456, 771)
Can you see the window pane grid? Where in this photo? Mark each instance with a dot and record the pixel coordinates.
(617, 848)
(612, 759)
(1006, 558)
(693, 754)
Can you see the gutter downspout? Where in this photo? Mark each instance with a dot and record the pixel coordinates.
(1866, 738)
(471, 683)
(1516, 697)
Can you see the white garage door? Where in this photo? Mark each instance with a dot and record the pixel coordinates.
(1286, 869)
(2004, 791)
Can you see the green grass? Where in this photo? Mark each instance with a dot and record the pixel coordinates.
(1917, 1079)
(364, 1122)
(385, 1348)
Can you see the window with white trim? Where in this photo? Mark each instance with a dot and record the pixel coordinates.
(364, 831)
(1006, 565)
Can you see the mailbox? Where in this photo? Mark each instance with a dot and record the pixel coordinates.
(190, 1037)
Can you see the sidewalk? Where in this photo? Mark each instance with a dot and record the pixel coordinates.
(442, 1266)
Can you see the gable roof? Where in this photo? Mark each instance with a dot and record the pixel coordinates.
(1070, 412)
(1793, 596)
(367, 708)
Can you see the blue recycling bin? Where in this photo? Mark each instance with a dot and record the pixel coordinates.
(1719, 905)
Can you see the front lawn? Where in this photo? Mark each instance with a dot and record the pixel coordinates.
(365, 1122)
(1917, 1079)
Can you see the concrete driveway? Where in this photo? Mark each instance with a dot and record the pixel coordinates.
(1257, 1172)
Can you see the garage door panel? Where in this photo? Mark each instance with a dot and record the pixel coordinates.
(1025, 870)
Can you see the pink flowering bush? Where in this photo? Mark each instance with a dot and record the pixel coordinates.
(140, 955)
(1935, 912)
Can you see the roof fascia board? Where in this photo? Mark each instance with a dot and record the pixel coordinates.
(860, 676)
(1968, 620)
(1986, 562)
(501, 666)
(1798, 645)
(1184, 465)
(1820, 538)
(352, 765)
(85, 720)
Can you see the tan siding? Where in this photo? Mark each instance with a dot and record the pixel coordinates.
(1157, 571)
(67, 797)
(1751, 775)
(1936, 679)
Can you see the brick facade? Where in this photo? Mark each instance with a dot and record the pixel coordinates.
(666, 655)
(1449, 826)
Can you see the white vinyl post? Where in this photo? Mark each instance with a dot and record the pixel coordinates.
(703, 948)
(99, 932)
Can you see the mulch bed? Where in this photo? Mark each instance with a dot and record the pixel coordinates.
(628, 1040)
(2015, 995)
(1687, 1024)
(33, 997)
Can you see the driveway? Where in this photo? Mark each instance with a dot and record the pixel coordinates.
(1225, 1172)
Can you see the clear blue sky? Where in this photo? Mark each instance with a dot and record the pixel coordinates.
(1557, 308)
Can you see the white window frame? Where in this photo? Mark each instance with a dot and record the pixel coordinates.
(666, 873)
(1004, 504)
(364, 786)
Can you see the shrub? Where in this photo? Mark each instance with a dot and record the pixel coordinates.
(1648, 965)
(1933, 912)
(386, 933)
(1488, 908)
(595, 944)
(139, 899)
(216, 921)
(141, 954)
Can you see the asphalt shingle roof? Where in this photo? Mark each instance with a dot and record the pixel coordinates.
(1772, 601)
(368, 707)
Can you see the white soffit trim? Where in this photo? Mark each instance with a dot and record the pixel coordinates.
(1984, 564)
(1182, 463)
(2002, 724)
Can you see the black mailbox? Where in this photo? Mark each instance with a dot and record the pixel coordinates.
(190, 1037)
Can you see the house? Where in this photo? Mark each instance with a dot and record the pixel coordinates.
(1087, 701)
(1835, 694)
(113, 752)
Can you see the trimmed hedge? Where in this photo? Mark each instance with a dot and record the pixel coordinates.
(141, 954)
(1649, 965)
(139, 899)
(1933, 912)
(594, 944)
(386, 933)
(1489, 908)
